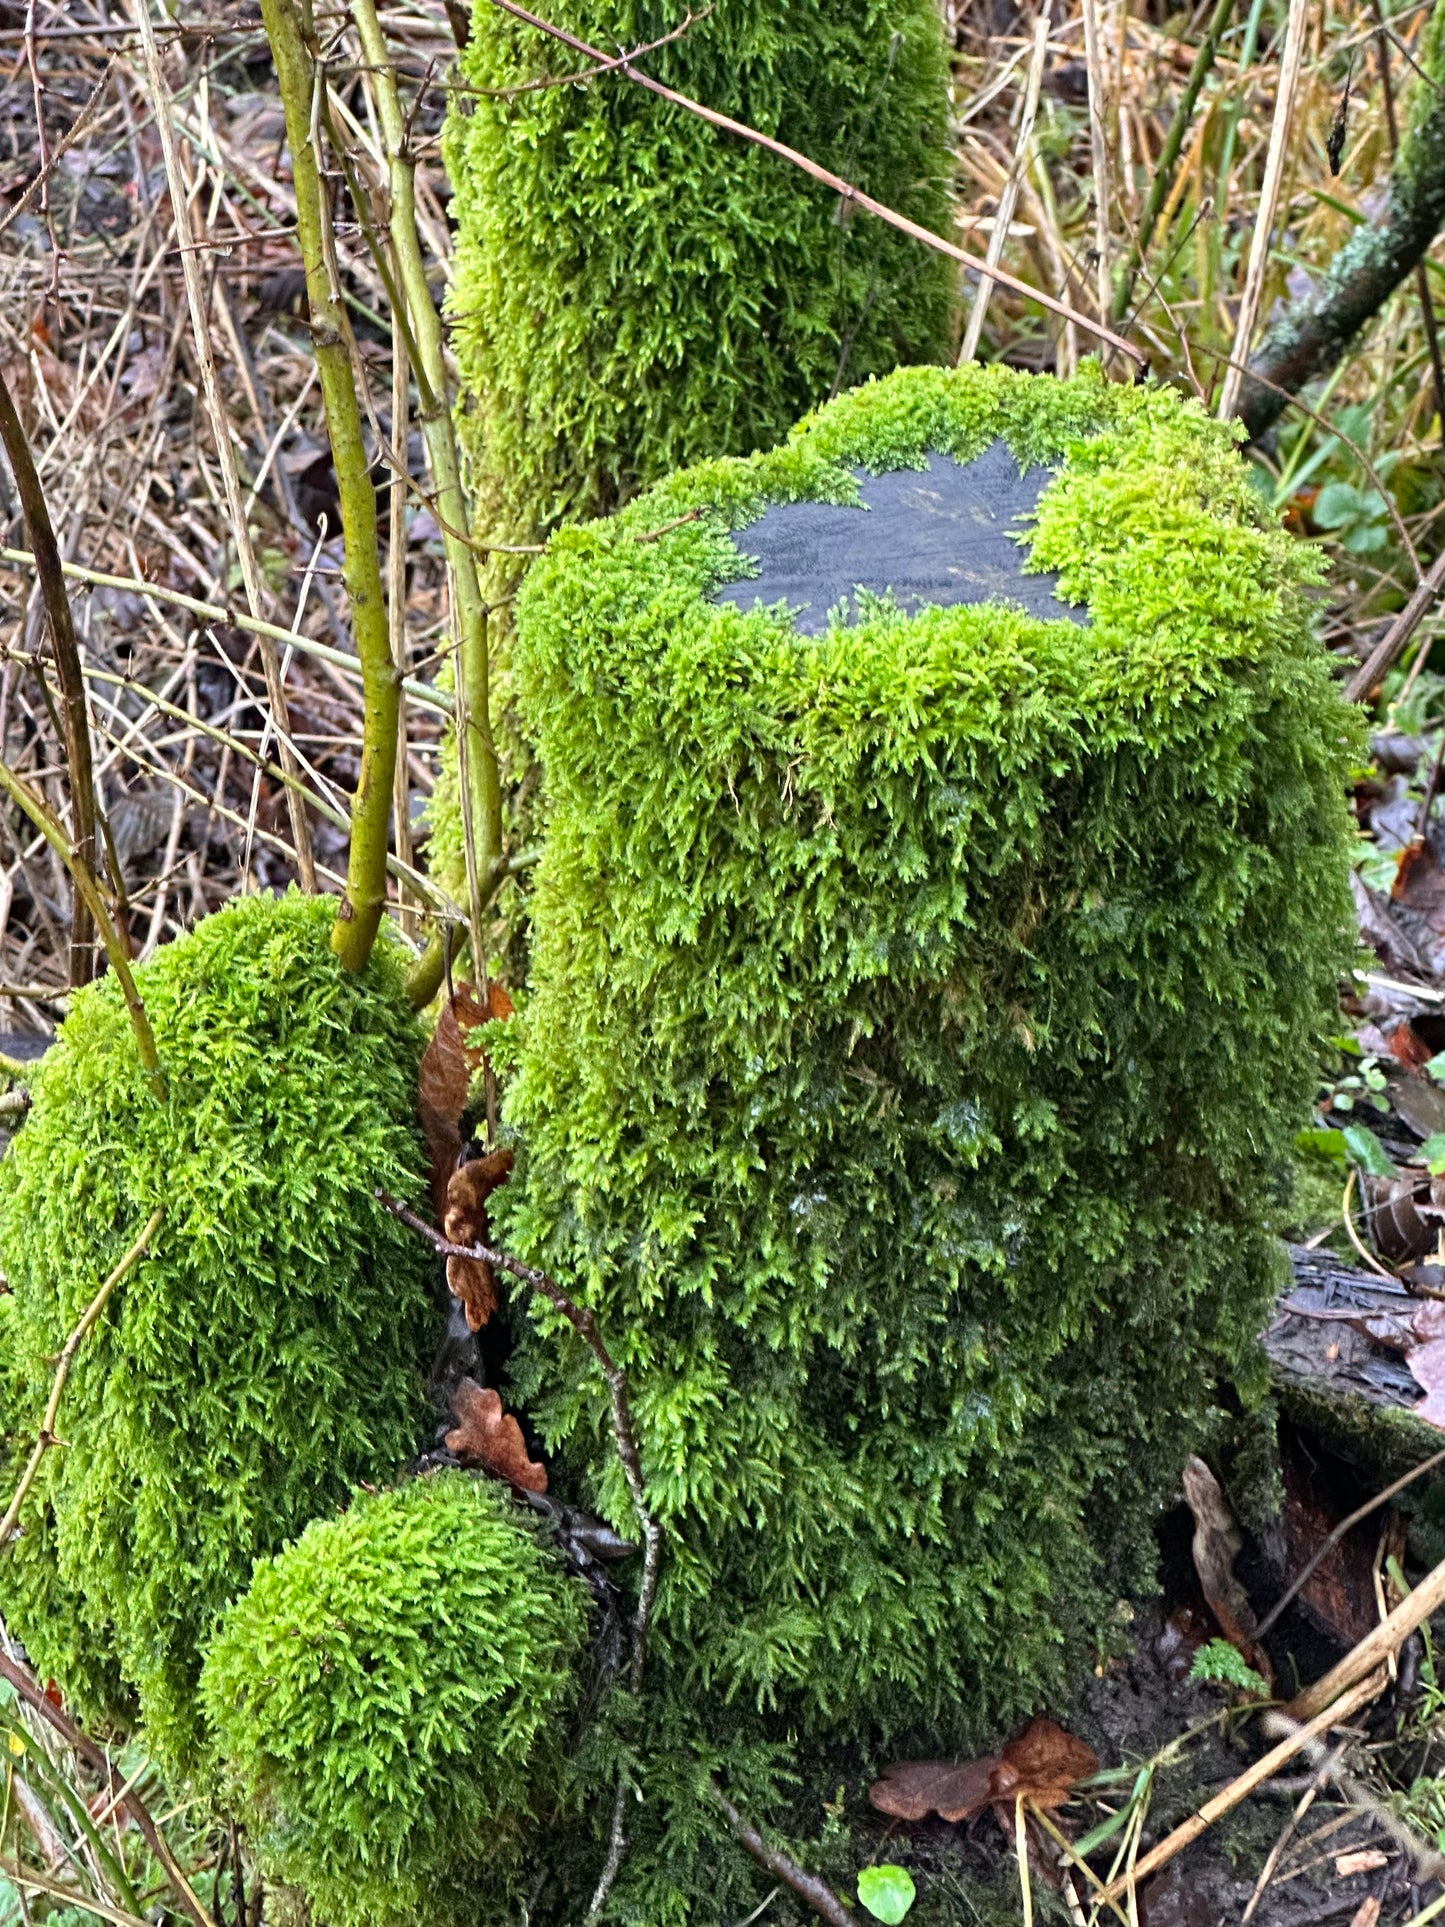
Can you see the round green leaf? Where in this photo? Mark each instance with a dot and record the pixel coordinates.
(887, 1892)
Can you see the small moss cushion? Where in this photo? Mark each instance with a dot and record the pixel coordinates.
(388, 1695)
(923, 1003)
(265, 1353)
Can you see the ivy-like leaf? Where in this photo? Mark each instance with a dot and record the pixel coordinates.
(887, 1892)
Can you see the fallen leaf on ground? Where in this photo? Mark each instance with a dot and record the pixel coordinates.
(1420, 884)
(445, 1078)
(913, 1789)
(466, 1221)
(1369, 1913)
(486, 1435)
(1405, 1214)
(1042, 1765)
(1217, 1544)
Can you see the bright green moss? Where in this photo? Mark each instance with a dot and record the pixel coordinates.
(636, 290)
(918, 1013)
(387, 1695)
(263, 1355)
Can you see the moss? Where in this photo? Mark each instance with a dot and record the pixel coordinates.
(918, 1014)
(635, 289)
(261, 1357)
(387, 1698)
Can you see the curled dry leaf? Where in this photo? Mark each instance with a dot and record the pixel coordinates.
(446, 1075)
(1217, 1543)
(466, 1221)
(486, 1435)
(1043, 1764)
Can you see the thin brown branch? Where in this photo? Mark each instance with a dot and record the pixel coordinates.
(95, 1757)
(1396, 638)
(45, 552)
(46, 1437)
(814, 1892)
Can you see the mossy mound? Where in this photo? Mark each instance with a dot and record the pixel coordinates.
(387, 1700)
(921, 1011)
(263, 1356)
(635, 289)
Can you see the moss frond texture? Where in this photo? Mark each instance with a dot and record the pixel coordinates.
(636, 289)
(919, 1010)
(387, 1697)
(262, 1357)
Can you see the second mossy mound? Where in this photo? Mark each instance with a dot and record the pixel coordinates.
(923, 1008)
(265, 1354)
(388, 1700)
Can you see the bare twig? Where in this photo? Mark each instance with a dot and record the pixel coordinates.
(1393, 643)
(1259, 247)
(1008, 200)
(46, 559)
(80, 1742)
(46, 1437)
(812, 1891)
(221, 429)
(1336, 1711)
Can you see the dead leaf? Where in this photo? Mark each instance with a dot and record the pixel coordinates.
(1369, 1913)
(446, 1076)
(1340, 1593)
(1420, 884)
(1217, 1544)
(912, 1789)
(1363, 1860)
(466, 1221)
(486, 1435)
(1042, 1765)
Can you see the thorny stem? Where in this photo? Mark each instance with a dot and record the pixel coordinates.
(76, 1339)
(359, 915)
(46, 553)
(624, 1433)
(83, 877)
(30, 1690)
(816, 1893)
(481, 780)
(845, 189)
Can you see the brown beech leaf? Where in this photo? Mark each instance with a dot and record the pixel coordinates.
(466, 1221)
(486, 1435)
(1043, 1764)
(1217, 1543)
(912, 1789)
(446, 1075)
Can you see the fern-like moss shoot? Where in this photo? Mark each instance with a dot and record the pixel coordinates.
(921, 1011)
(386, 1695)
(636, 289)
(264, 1354)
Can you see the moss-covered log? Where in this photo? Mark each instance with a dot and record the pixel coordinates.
(918, 1007)
(1310, 339)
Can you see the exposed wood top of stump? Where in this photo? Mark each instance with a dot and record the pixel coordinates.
(941, 535)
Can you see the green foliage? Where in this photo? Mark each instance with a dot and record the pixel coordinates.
(1223, 1664)
(636, 289)
(887, 1892)
(262, 1356)
(386, 1696)
(921, 1016)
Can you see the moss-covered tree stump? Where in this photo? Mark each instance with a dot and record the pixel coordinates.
(924, 992)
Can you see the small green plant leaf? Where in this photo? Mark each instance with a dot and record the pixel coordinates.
(1432, 1153)
(1224, 1665)
(887, 1892)
(1366, 1150)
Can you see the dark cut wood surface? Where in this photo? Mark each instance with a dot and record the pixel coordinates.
(941, 535)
